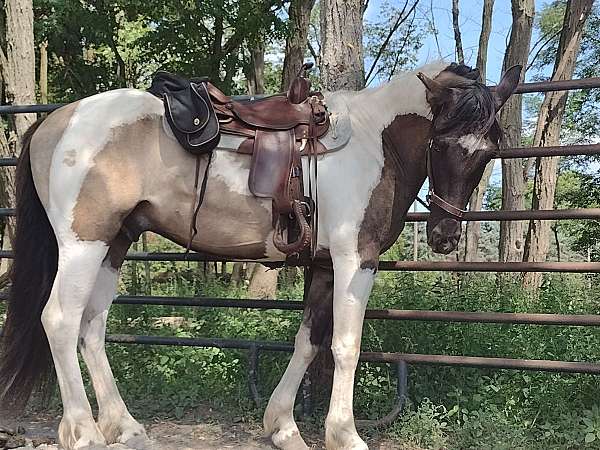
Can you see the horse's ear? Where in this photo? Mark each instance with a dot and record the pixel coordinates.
(507, 85)
(436, 92)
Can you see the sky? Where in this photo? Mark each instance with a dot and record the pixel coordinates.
(470, 25)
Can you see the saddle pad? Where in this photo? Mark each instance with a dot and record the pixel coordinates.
(271, 164)
(340, 125)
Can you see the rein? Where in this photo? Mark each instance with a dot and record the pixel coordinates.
(432, 198)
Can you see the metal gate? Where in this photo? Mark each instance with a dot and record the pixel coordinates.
(400, 360)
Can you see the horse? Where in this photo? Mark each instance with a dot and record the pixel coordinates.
(96, 173)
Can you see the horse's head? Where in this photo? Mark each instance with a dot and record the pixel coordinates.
(465, 135)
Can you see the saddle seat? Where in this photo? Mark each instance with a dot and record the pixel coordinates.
(279, 129)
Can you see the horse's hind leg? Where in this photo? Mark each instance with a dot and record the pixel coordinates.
(114, 420)
(78, 266)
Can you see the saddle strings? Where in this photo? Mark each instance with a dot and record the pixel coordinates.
(198, 200)
(312, 160)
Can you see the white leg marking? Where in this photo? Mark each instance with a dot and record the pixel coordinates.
(114, 420)
(352, 286)
(78, 267)
(279, 415)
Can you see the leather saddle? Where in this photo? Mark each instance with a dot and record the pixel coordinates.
(278, 130)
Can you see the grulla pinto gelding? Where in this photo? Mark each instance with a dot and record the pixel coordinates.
(95, 174)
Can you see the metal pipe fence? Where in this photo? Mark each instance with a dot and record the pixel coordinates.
(400, 360)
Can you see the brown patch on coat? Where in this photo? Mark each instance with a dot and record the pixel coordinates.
(403, 173)
(228, 224)
(110, 191)
(144, 181)
(43, 144)
(118, 250)
(318, 303)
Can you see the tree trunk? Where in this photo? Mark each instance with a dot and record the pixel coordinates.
(296, 43)
(484, 37)
(44, 72)
(514, 174)
(342, 66)
(263, 283)
(18, 73)
(460, 55)
(256, 76)
(473, 229)
(236, 273)
(547, 133)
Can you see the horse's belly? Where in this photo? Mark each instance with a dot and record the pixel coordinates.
(231, 222)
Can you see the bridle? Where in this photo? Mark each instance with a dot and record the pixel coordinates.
(432, 198)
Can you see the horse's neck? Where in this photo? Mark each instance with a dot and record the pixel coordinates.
(399, 114)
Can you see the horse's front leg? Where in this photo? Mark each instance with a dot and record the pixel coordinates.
(279, 415)
(353, 280)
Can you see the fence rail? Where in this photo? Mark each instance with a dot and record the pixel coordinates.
(400, 360)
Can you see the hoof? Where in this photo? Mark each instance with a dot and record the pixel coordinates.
(124, 430)
(288, 440)
(343, 437)
(283, 431)
(80, 434)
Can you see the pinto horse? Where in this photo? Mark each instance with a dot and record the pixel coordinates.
(95, 174)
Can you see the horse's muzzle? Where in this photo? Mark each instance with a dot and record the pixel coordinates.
(444, 237)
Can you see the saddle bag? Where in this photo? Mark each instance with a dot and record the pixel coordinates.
(188, 110)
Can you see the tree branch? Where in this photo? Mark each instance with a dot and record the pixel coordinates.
(403, 46)
(542, 47)
(399, 21)
(457, 38)
(313, 53)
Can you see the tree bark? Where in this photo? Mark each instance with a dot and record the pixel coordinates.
(514, 174)
(460, 55)
(296, 42)
(18, 74)
(473, 229)
(484, 37)
(256, 76)
(548, 134)
(44, 72)
(263, 283)
(342, 66)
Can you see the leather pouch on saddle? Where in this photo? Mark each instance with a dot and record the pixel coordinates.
(188, 110)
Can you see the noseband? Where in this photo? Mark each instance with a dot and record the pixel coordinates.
(432, 198)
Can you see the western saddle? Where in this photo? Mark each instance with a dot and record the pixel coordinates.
(279, 129)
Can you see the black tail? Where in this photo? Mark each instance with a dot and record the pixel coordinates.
(25, 359)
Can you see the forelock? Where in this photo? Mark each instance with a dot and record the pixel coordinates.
(474, 110)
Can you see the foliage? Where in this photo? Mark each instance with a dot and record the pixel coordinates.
(578, 189)
(403, 47)
(96, 46)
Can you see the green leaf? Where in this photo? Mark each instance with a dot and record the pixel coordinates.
(590, 437)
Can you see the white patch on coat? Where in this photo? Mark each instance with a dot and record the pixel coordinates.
(278, 419)
(231, 169)
(473, 142)
(114, 420)
(346, 179)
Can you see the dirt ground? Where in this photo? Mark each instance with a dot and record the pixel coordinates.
(209, 433)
